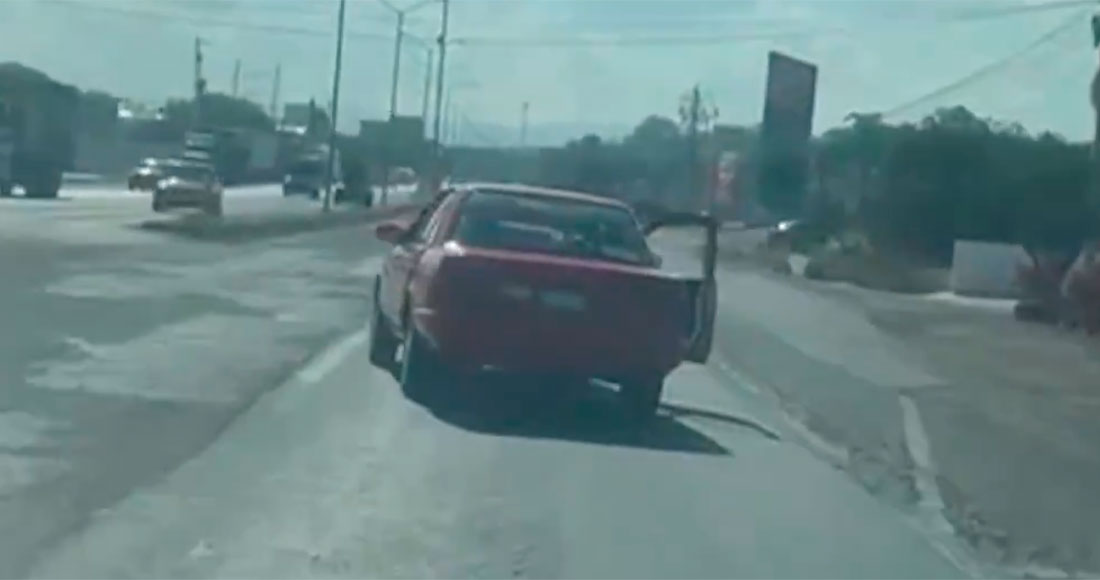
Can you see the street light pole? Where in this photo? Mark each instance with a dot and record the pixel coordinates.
(335, 106)
(200, 85)
(398, 37)
(427, 85)
(387, 150)
(437, 161)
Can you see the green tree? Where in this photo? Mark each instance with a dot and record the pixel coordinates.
(954, 175)
(98, 112)
(219, 110)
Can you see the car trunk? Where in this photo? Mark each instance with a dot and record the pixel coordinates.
(532, 311)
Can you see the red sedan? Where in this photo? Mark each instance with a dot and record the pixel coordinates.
(537, 281)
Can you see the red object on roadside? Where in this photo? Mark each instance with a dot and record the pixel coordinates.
(536, 281)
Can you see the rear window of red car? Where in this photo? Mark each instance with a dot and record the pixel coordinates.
(549, 225)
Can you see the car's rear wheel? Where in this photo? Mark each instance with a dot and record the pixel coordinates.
(383, 342)
(421, 368)
(642, 395)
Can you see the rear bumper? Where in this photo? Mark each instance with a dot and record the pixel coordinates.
(563, 349)
(142, 182)
(180, 200)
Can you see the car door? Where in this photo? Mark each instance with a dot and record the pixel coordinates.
(702, 291)
(704, 299)
(402, 259)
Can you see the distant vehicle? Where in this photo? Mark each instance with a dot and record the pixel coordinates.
(229, 151)
(188, 185)
(306, 175)
(37, 131)
(146, 175)
(539, 281)
(402, 176)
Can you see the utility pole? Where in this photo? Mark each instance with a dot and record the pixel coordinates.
(427, 86)
(523, 124)
(199, 84)
(397, 39)
(387, 147)
(448, 119)
(456, 125)
(1094, 97)
(437, 158)
(335, 106)
(274, 108)
(693, 144)
(237, 77)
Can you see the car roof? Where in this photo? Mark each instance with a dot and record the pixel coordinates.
(186, 163)
(543, 192)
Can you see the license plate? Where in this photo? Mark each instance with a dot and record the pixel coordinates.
(516, 292)
(564, 300)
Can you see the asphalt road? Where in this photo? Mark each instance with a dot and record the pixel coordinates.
(184, 409)
(950, 409)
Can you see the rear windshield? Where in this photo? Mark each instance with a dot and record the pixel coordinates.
(188, 172)
(551, 226)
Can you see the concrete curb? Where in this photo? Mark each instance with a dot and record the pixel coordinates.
(230, 229)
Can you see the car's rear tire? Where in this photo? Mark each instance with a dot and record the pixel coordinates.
(421, 367)
(383, 342)
(642, 396)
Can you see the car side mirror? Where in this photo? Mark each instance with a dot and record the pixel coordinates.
(655, 259)
(391, 232)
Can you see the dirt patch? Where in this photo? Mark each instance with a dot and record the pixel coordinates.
(876, 272)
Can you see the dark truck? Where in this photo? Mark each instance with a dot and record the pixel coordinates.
(225, 149)
(37, 131)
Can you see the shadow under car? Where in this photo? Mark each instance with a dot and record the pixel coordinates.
(551, 408)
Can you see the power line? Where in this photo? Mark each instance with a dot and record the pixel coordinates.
(968, 16)
(629, 21)
(988, 69)
(217, 22)
(645, 41)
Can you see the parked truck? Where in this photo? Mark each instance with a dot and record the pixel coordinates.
(37, 131)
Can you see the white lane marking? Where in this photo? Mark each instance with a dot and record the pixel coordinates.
(836, 455)
(331, 358)
(930, 501)
(738, 377)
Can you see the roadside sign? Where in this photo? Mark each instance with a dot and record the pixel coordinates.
(785, 133)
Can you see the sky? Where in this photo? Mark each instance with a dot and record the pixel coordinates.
(583, 65)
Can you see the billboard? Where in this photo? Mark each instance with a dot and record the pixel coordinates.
(785, 133)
